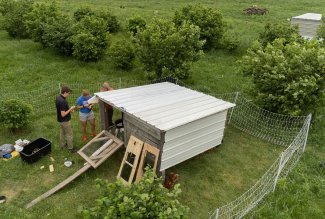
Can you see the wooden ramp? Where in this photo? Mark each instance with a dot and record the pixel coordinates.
(94, 158)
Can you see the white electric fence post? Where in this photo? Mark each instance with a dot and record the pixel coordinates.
(306, 137)
(120, 83)
(232, 110)
(279, 171)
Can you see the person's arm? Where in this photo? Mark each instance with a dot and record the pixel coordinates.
(80, 104)
(64, 113)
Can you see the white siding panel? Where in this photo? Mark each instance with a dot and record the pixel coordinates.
(179, 147)
(217, 128)
(196, 126)
(193, 138)
(172, 161)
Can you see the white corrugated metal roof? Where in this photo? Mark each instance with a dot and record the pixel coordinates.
(164, 105)
(309, 16)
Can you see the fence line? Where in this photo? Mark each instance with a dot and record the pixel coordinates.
(275, 128)
(288, 131)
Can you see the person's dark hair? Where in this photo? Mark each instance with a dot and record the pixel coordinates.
(65, 89)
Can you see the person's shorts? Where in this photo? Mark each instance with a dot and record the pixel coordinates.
(86, 116)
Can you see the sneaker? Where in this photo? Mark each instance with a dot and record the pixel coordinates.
(84, 138)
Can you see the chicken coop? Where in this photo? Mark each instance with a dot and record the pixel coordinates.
(180, 122)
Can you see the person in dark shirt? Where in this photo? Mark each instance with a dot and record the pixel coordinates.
(63, 112)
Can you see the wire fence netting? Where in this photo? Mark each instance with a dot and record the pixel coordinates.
(288, 131)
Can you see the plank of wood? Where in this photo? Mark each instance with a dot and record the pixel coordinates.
(59, 186)
(102, 148)
(51, 168)
(101, 139)
(104, 151)
(112, 151)
(151, 149)
(107, 150)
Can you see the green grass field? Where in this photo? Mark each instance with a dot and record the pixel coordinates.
(208, 180)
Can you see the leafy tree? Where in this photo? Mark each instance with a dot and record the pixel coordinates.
(288, 77)
(58, 35)
(90, 39)
(112, 24)
(146, 199)
(122, 54)
(167, 50)
(274, 31)
(230, 41)
(136, 23)
(14, 13)
(39, 18)
(209, 20)
(14, 114)
(6, 6)
(82, 12)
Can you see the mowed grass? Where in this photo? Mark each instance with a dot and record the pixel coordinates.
(208, 180)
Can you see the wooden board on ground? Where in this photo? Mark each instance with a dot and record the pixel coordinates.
(149, 157)
(111, 144)
(130, 160)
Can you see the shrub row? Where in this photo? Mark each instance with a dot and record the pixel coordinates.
(85, 36)
(163, 47)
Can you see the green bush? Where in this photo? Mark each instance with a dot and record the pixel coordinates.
(122, 53)
(165, 49)
(82, 12)
(146, 199)
(58, 35)
(112, 24)
(321, 31)
(136, 23)
(6, 6)
(230, 41)
(14, 14)
(39, 18)
(288, 77)
(209, 21)
(274, 31)
(90, 39)
(14, 114)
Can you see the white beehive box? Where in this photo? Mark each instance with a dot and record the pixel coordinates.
(308, 24)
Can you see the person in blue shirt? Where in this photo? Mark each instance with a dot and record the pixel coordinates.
(86, 114)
